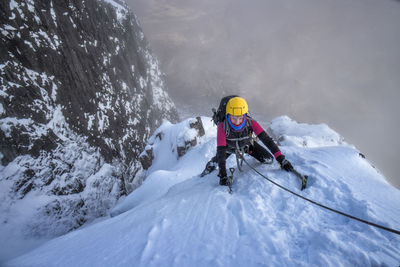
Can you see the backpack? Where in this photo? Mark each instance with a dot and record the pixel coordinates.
(219, 115)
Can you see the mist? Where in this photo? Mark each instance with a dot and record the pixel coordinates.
(334, 61)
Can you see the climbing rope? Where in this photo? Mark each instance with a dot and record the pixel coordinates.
(323, 206)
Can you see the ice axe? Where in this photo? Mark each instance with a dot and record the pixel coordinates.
(303, 178)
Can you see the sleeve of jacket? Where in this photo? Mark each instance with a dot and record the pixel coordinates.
(265, 138)
(268, 142)
(221, 158)
(221, 150)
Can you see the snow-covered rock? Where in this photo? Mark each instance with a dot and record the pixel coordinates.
(176, 218)
(164, 149)
(80, 94)
(288, 132)
(191, 130)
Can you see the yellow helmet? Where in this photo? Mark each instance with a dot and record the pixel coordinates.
(237, 106)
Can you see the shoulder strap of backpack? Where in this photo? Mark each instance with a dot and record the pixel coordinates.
(226, 127)
(248, 123)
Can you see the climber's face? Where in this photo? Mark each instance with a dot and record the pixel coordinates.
(237, 120)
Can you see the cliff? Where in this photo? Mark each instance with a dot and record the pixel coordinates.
(80, 94)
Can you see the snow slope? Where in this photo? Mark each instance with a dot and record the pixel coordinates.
(176, 218)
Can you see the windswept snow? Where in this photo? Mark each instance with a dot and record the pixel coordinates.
(176, 218)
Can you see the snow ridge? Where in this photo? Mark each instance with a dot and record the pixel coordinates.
(176, 218)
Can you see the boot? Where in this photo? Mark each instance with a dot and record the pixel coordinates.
(210, 167)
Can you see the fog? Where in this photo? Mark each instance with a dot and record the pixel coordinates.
(333, 61)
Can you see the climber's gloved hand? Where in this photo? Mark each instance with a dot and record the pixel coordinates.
(285, 164)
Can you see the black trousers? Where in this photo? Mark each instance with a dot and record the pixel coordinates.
(256, 151)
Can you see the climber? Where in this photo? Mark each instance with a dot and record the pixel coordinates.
(235, 126)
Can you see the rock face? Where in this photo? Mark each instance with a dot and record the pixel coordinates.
(80, 93)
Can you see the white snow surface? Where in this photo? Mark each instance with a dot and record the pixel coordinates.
(176, 218)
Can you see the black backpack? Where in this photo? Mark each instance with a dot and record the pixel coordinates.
(219, 115)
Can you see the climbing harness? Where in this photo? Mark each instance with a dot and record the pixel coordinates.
(239, 152)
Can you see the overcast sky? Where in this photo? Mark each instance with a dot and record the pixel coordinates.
(331, 61)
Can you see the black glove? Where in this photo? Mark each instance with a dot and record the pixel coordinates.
(285, 164)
